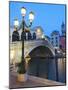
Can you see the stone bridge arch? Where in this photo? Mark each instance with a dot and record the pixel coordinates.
(29, 47)
(40, 65)
(42, 51)
(16, 48)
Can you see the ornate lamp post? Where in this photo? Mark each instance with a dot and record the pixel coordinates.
(21, 66)
(31, 18)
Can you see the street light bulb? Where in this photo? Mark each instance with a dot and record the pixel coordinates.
(23, 11)
(43, 36)
(16, 23)
(31, 16)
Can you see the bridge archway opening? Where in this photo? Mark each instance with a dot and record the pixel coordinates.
(39, 64)
(41, 51)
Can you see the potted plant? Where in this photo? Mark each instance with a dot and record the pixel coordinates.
(21, 72)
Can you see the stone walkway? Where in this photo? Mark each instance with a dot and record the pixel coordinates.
(31, 82)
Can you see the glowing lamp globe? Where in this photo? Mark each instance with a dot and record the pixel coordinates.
(23, 11)
(31, 16)
(16, 23)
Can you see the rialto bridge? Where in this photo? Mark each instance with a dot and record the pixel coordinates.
(34, 51)
(29, 46)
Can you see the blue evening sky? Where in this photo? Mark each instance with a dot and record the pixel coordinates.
(48, 16)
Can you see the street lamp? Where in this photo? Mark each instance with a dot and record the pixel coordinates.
(31, 16)
(23, 11)
(21, 66)
(16, 23)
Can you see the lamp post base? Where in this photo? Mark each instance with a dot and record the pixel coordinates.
(22, 77)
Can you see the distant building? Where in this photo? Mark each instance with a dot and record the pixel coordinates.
(62, 43)
(63, 37)
(39, 32)
(63, 29)
(55, 37)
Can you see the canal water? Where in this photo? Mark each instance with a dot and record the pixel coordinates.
(38, 67)
(46, 68)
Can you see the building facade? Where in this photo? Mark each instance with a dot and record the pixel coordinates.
(63, 29)
(55, 37)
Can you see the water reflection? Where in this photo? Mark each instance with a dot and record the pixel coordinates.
(46, 68)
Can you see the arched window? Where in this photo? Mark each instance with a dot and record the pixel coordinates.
(15, 36)
(23, 36)
(34, 35)
(29, 36)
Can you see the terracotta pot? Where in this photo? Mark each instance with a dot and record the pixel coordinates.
(22, 77)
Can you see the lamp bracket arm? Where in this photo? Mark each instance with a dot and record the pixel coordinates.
(20, 27)
(28, 26)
